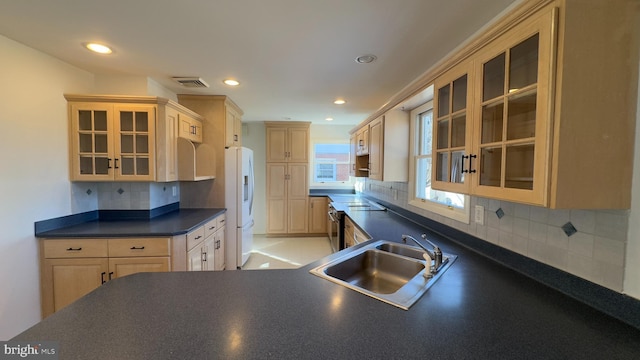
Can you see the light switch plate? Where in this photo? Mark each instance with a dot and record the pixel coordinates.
(479, 215)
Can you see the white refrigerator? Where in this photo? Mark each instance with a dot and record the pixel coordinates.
(239, 184)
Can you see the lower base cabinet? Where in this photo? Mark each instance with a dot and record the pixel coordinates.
(71, 268)
(353, 235)
(205, 246)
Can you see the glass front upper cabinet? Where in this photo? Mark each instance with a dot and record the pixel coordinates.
(512, 117)
(451, 146)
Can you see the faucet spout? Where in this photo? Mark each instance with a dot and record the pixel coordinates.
(435, 256)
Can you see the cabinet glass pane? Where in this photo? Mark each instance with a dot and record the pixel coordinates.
(126, 121)
(443, 134)
(102, 165)
(458, 126)
(492, 119)
(442, 166)
(84, 120)
(101, 143)
(86, 143)
(142, 166)
(519, 167)
(126, 144)
(521, 117)
(443, 101)
(493, 78)
(142, 144)
(523, 64)
(457, 176)
(490, 166)
(126, 166)
(100, 120)
(86, 165)
(459, 94)
(142, 121)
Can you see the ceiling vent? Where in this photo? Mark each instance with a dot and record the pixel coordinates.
(192, 82)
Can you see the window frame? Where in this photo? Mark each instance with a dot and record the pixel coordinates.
(458, 214)
(312, 166)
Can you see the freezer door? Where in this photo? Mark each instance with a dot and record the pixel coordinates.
(247, 186)
(246, 234)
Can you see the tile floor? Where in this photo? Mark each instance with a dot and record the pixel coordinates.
(286, 252)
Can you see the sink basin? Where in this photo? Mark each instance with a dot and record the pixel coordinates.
(385, 270)
(404, 250)
(377, 271)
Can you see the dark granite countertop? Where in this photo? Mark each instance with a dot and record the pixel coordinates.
(174, 223)
(478, 309)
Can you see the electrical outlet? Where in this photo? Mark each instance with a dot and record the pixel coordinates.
(395, 194)
(174, 190)
(479, 215)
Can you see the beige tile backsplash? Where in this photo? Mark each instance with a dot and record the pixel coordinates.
(596, 252)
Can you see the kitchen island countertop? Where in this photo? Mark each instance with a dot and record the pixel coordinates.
(478, 309)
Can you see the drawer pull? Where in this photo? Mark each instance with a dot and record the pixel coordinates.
(137, 248)
(211, 228)
(74, 249)
(198, 237)
(221, 221)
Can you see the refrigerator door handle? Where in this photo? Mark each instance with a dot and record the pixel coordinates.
(251, 185)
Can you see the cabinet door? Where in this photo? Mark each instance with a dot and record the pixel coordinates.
(297, 195)
(167, 132)
(511, 137)
(276, 144)
(119, 267)
(298, 147)
(92, 152)
(208, 254)
(353, 147)
(134, 128)
(219, 246)
(194, 259)
(452, 131)
(349, 235)
(376, 148)
(363, 141)
(318, 215)
(276, 198)
(66, 280)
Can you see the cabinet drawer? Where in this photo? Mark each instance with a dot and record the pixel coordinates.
(210, 227)
(222, 220)
(195, 237)
(75, 248)
(139, 247)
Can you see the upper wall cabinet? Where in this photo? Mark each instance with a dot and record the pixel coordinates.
(125, 138)
(541, 109)
(287, 142)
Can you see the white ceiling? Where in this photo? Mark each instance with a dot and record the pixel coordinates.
(292, 57)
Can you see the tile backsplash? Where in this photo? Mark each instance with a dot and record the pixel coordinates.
(595, 251)
(122, 195)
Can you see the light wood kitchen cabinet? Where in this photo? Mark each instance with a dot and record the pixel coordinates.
(127, 138)
(287, 198)
(205, 246)
(387, 157)
(287, 142)
(318, 209)
(452, 130)
(353, 147)
(71, 268)
(353, 235)
(362, 138)
(233, 127)
(534, 127)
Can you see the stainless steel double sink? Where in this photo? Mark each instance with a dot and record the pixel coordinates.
(385, 270)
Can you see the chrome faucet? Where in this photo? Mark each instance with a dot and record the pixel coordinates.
(435, 256)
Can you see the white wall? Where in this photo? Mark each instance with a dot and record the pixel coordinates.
(34, 159)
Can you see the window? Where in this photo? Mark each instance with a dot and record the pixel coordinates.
(452, 205)
(330, 164)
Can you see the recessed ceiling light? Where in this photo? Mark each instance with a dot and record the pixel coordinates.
(366, 59)
(98, 48)
(231, 82)
(329, 119)
(339, 102)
